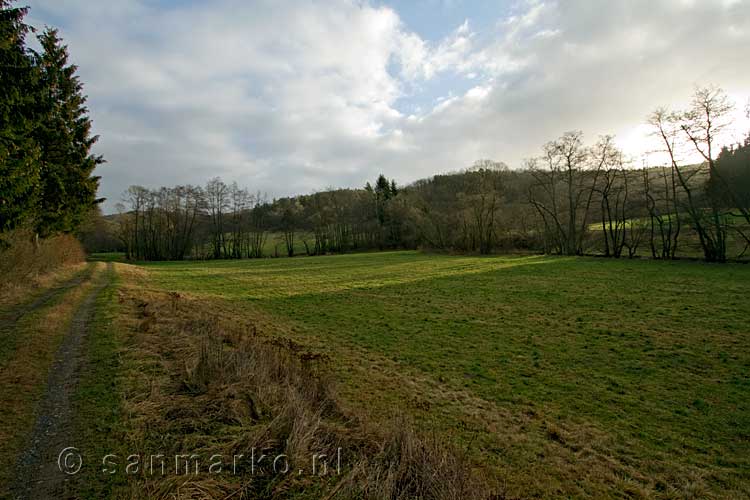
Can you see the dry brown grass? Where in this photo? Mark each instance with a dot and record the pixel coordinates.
(26, 267)
(199, 382)
(410, 464)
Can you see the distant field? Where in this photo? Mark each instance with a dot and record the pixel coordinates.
(562, 376)
(275, 243)
(107, 256)
(688, 245)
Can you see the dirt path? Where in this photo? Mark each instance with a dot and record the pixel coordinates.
(37, 473)
(8, 320)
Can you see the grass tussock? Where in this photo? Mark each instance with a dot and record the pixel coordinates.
(26, 264)
(410, 464)
(209, 385)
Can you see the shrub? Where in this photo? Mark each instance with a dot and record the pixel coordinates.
(23, 257)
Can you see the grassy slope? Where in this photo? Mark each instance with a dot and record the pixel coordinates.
(651, 357)
(275, 241)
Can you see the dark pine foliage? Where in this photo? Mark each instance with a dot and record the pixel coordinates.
(19, 154)
(68, 189)
(733, 166)
(46, 164)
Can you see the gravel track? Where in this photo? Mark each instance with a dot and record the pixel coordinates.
(37, 473)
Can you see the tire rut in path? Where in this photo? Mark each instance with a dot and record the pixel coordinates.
(37, 474)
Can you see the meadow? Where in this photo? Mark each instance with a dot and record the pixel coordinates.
(559, 376)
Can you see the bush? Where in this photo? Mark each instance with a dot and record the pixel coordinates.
(23, 257)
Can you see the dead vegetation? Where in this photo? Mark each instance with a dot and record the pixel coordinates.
(26, 265)
(202, 384)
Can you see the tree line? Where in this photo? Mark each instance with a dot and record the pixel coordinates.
(46, 165)
(224, 221)
(573, 199)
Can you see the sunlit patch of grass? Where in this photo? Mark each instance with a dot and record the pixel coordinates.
(263, 279)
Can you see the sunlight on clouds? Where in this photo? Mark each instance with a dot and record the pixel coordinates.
(642, 147)
(478, 93)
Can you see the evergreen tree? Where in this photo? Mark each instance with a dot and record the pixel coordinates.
(19, 167)
(68, 188)
(383, 187)
(733, 165)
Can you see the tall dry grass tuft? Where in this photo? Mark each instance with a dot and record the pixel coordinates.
(272, 386)
(413, 465)
(216, 385)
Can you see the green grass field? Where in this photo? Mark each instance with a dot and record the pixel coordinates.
(567, 376)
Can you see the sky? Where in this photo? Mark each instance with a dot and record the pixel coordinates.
(291, 96)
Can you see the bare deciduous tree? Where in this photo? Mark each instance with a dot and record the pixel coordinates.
(563, 191)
